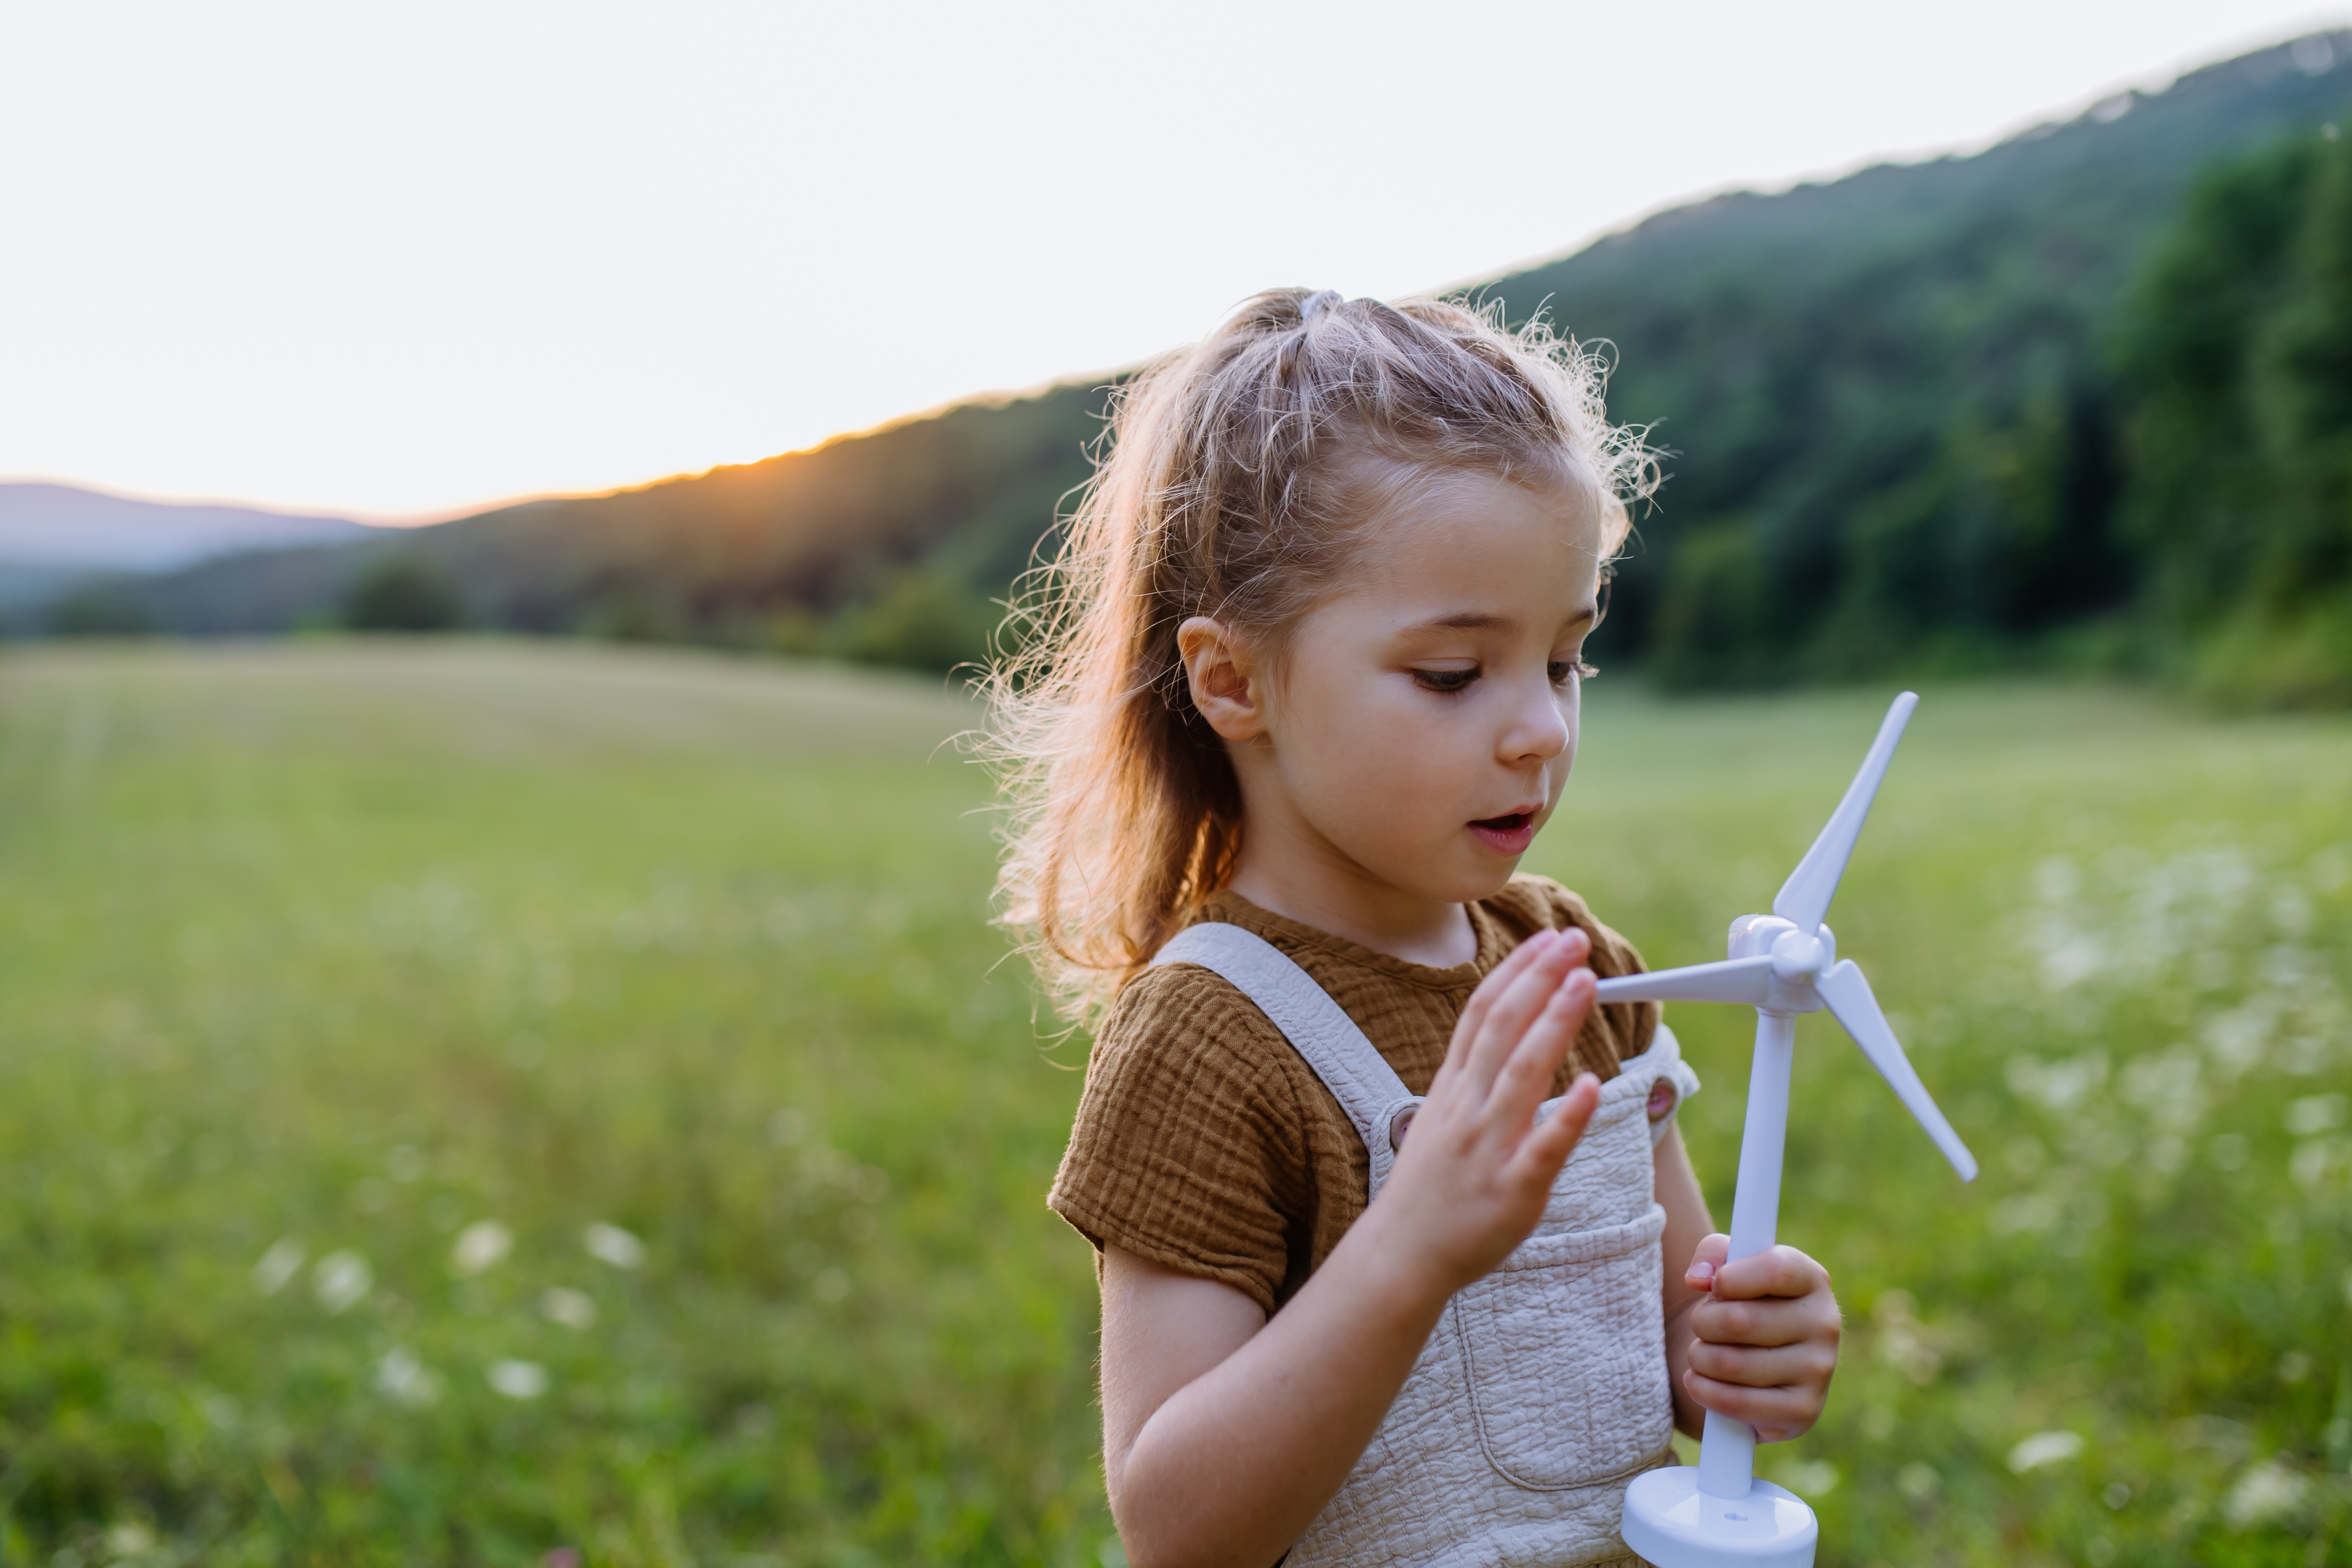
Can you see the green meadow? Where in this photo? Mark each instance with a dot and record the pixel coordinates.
(503, 1103)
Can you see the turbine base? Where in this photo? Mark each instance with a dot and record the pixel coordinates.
(1670, 1523)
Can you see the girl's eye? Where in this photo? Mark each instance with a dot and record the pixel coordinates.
(1445, 680)
(1562, 669)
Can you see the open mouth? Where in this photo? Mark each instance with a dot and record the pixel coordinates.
(1509, 835)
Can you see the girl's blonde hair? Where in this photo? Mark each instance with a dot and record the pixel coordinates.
(1220, 490)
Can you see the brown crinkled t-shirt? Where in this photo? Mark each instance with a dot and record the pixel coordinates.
(1206, 1143)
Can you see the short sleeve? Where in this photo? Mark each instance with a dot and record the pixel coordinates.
(1675, 1083)
(1187, 1150)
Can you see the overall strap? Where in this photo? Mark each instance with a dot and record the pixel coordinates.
(1319, 1028)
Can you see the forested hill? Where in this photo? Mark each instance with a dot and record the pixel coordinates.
(1896, 398)
(1901, 407)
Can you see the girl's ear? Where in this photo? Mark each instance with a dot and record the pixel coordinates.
(1223, 679)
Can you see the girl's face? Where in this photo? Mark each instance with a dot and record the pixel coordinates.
(1422, 722)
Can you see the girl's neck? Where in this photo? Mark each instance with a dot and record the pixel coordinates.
(1386, 920)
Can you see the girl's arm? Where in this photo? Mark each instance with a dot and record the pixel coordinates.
(1224, 1432)
(1757, 1339)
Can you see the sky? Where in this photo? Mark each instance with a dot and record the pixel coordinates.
(403, 260)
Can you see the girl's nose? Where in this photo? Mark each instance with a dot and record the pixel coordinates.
(1539, 729)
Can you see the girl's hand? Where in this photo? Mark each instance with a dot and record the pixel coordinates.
(1767, 1338)
(1471, 1177)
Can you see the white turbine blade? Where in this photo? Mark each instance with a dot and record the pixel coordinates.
(1853, 1004)
(1804, 897)
(1743, 980)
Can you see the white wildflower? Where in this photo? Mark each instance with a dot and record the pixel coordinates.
(2314, 1114)
(570, 1307)
(517, 1379)
(2265, 1494)
(278, 1265)
(401, 1376)
(2312, 1159)
(340, 1280)
(613, 1244)
(482, 1245)
(2072, 961)
(2241, 1038)
(2044, 1449)
(2060, 1085)
(128, 1539)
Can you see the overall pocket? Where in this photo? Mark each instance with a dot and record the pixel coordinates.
(1565, 1346)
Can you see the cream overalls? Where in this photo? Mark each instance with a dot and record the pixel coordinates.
(1542, 1390)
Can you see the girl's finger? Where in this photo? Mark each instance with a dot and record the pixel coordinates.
(1517, 1005)
(1707, 1261)
(1799, 1366)
(1482, 1001)
(1783, 1410)
(1529, 1071)
(1771, 1320)
(1775, 1271)
(1554, 1138)
(1512, 1011)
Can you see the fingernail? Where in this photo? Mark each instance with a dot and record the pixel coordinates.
(1702, 1273)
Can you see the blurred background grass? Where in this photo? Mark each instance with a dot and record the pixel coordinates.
(470, 1101)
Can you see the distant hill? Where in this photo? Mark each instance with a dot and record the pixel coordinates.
(1899, 434)
(58, 525)
(54, 538)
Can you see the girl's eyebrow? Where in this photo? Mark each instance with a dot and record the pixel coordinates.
(1463, 621)
(1486, 621)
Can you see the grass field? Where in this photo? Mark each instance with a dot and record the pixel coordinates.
(469, 1102)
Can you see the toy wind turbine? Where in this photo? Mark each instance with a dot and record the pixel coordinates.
(1781, 964)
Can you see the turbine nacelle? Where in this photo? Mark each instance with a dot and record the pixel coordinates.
(1797, 957)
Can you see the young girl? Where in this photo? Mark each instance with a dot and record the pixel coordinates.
(1303, 688)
